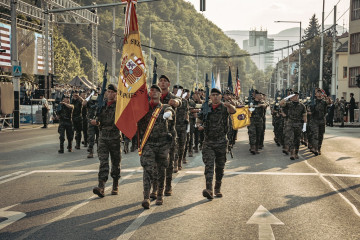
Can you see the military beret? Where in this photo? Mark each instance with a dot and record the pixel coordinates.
(165, 77)
(156, 87)
(178, 86)
(201, 90)
(296, 93)
(186, 90)
(319, 90)
(256, 91)
(75, 91)
(215, 90)
(66, 96)
(112, 87)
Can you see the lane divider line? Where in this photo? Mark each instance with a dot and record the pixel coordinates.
(12, 174)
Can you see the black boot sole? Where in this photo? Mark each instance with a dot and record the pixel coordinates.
(98, 192)
(207, 195)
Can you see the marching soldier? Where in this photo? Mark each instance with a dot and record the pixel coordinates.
(84, 119)
(197, 101)
(263, 101)
(156, 138)
(256, 127)
(182, 121)
(65, 123)
(109, 144)
(168, 98)
(77, 117)
(296, 122)
(93, 130)
(215, 127)
(318, 122)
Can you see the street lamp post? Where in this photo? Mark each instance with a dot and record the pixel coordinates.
(299, 81)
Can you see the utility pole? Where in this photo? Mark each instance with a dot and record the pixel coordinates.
(113, 60)
(299, 80)
(322, 48)
(46, 73)
(333, 77)
(15, 62)
(178, 70)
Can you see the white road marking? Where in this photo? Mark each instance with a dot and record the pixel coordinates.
(71, 210)
(127, 234)
(11, 216)
(264, 219)
(28, 139)
(356, 211)
(9, 175)
(19, 176)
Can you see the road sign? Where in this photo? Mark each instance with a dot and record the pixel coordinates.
(17, 71)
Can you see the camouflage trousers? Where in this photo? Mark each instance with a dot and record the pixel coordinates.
(170, 168)
(214, 156)
(255, 130)
(192, 135)
(109, 146)
(262, 134)
(181, 143)
(65, 127)
(317, 130)
(85, 129)
(278, 130)
(93, 132)
(154, 160)
(293, 135)
(77, 129)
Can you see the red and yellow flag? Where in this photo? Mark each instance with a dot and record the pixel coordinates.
(132, 99)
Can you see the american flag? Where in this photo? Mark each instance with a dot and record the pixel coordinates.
(238, 87)
(5, 57)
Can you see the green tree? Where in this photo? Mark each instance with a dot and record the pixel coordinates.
(313, 29)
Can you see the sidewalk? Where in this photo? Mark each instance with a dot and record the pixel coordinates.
(348, 124)
(28, 126)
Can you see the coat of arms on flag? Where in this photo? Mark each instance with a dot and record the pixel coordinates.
(133, 69)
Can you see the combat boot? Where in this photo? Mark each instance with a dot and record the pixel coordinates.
(314, 151)
(146, 202)
(190, 155)
(115, 187)
(77, 145)
(286, 150)
(292, 157)
(179, 164)
(69, 147)
(175, 170)
(61, 150)
(257, 149)
(217, 189)
(253, 149)
(168, 189)
(196, 150)
(100, 189)
(159, 199)
(208, 193)
(297, 154)
(184, 160)
(91, 154)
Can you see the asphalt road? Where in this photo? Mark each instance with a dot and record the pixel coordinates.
(46, 195)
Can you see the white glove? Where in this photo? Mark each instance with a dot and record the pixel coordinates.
(288, 97)
(304, 127)
(167, 115)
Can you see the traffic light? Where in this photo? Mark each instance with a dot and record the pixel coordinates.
(202, 5)
(358, 81)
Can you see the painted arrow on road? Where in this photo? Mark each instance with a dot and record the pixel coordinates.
(10, 215)
(264, 219)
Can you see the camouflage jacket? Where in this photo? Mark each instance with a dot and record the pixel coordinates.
(182, 114)
(295, 111)
(65, 114)
(319, 110)
(107, 125)
(216, 125)
(161, 132)
(258, 113)
(77, 109)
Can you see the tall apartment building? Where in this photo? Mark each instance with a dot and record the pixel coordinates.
(354, 47)
(259, 42)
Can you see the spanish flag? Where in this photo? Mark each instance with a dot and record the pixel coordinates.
(132, 99)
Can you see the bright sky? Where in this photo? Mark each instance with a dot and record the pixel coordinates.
(251, 14)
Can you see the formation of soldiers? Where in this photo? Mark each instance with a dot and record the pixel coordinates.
(299, 121)
(179, 123)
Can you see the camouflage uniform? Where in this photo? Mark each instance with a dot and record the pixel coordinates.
(85, 125)
(256, 127)
(109, 143)
(262, 134)
(295, 112)
(93, 131)
(65, 125)
(155, 154)
(172, 124)
(182, 121)
(215, 143)
(317, 124)
(77, 121)
(277, 122)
